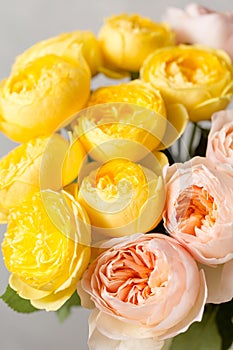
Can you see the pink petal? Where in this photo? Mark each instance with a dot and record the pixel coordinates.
(219, 282)
(98, 340)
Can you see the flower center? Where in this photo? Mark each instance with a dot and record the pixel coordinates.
(195, 208)
(133, 277)
(119, 172)
(136, 24)
(184, 68)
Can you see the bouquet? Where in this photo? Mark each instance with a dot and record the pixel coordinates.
(120, 198)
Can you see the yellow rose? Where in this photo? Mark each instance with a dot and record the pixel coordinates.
(46, 253)
(130, 119)
(122, 197)
(126, 40)
(40, 163)
(200, 78)
(60, 45)
(43, 96)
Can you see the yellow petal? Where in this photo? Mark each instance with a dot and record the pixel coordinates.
(209, 107)
(53, 302)
(155, 161)
(177, 119)
(65, 45)
(24, 290)
(72, 189)
(74, 160)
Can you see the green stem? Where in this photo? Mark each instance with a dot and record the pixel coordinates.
(190, 149)
(179, 147)
(134, 75)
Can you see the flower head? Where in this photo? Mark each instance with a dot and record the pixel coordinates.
(200, 25)
(198, 77)
(130, 119)
(122, 197)
(42, 96)
(126, 40)
(198, 213)
(144, 286)
(220, 139)
(47, 162)
(45, 250)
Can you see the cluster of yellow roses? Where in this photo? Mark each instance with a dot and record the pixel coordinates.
(122, 128)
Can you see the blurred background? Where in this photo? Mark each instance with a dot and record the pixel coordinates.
(22, 24)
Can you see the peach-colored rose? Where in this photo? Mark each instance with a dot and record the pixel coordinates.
(144, 286)
(197, 24)
(198, 213)
(220, 140)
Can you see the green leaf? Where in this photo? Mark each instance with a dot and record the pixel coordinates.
(65, 310)
(224, 321)
(15, 302)
(200, 335)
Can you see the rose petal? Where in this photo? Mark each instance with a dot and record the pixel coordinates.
(85, 297)
(99, 340)
(195, 314)
(219, 282)
(197, 24)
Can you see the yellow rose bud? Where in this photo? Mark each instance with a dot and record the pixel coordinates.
(122, 198)
(46, 254)
(63, 43)
(43, 96)
(199, 77)
(126, 40)
(119, 118)
(39, 163)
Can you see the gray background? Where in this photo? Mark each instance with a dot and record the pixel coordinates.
(23, 23)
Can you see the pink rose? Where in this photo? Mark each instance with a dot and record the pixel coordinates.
(199, 25)
(145, 286)
(220, 140)
(199, 214)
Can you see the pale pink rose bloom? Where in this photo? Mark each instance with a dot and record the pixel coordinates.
(220, 140)
(144, 286)
(199, 214)
(199, 25)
